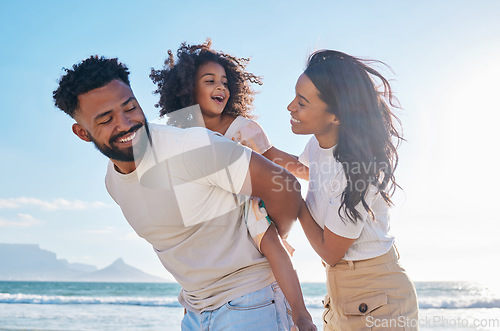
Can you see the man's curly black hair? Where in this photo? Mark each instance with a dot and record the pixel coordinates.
(91, 73)
(176, 80)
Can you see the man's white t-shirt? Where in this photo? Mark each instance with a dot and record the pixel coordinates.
(181, 199)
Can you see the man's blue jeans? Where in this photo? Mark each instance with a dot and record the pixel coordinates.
(266, 309)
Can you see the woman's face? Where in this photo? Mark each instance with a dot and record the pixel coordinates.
(309, 114)
(210, 89)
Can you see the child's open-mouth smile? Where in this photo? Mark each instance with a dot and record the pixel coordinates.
(219, 98)
(211, 89)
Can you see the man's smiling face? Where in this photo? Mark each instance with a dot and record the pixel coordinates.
(111, 118)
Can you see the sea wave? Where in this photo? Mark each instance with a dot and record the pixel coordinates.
(20, 298)
(432, 303)
(171, 301)
(314, 302)
(458, 303)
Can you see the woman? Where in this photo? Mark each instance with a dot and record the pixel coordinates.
(351, 158)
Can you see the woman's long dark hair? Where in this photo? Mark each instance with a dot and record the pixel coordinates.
(368, 132)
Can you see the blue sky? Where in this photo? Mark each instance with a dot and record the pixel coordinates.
(446, 75)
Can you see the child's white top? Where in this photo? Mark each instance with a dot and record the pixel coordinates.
(327, 181)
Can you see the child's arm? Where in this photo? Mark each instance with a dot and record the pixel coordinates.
(253, 136)
(287, 161)
(286, 277)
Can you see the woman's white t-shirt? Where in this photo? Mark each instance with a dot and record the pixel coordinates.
(327, 181)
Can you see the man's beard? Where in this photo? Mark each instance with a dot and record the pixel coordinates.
(128, 154)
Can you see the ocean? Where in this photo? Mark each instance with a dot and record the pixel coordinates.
(151, 306)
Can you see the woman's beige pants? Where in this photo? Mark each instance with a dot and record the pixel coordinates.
(373, 294)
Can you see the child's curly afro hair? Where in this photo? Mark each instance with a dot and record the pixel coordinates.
(176, 80)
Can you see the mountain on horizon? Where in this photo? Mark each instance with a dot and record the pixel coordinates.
(119, 271)
(28, 262)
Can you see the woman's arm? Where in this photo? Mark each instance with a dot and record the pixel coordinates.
(287, 161)
(329, 246)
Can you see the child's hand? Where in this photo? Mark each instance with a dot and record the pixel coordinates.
(304, 323)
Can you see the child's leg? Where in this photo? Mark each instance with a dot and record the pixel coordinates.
(267, 240)
(281, 265)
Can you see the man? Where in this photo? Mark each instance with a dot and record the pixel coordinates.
(177, 188)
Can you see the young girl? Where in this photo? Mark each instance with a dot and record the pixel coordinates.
(219, 84)
(351, 159)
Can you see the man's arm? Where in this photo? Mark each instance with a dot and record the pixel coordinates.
(278, 188)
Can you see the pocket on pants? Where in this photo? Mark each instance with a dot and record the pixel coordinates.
(257, 311)
(327, 313)
(326, 301)
(249, 303)
(365, 305)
